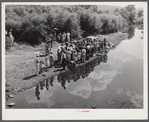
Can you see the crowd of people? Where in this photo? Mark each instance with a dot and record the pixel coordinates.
(80, 51)
(63, 37)
(71, 52)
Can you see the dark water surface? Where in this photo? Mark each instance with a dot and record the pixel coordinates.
(99, 82)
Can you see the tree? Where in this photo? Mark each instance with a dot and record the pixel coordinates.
(122, 10)
(116, 11)
(132, 16)
(72, 25)
(94, 8)
(130, 8)
(100, 12)
(140, 13)
(106, 11)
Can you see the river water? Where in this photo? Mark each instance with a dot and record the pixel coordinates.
(106, 82)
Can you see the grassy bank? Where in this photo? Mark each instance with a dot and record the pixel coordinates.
(20, 67)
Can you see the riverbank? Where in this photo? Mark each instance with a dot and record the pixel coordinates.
(20, 67)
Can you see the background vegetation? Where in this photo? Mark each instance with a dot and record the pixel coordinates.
(33, 24)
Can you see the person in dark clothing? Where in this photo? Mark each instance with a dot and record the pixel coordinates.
(63, 59)
(104, 41)
(37, 93)
(87, 51)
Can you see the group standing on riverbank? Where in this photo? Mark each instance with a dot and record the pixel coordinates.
(71, 52)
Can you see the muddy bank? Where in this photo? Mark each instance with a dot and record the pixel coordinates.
(31, 80)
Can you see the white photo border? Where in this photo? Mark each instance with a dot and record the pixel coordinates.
(73, 114)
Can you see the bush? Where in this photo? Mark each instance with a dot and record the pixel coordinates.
(72, 25)
(33, 24)
(15, 26)
(32, 35)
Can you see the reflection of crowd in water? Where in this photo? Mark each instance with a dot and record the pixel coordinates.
(62, 78)
(43, 84)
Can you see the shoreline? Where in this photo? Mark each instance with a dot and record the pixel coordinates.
(27, 79)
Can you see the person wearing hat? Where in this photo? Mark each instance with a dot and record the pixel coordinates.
(37, 64)
(83, 54)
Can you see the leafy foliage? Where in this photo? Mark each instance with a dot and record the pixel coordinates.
(140, 13)
(33, 24)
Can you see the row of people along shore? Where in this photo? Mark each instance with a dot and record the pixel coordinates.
(67, 77)
(73, 52)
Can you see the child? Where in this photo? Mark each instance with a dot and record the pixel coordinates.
(37, 63)
(51, 58)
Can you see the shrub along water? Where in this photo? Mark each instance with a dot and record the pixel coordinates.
(33, 24)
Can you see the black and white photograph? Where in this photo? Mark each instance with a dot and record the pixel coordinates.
(86, 60)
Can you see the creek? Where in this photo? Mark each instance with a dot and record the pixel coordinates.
(113, 77)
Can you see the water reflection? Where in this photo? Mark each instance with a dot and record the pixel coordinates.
(51, 80)
(37, 93)
(66, 77)
(80, 72)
